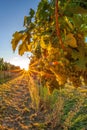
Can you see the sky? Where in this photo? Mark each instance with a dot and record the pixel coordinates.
(12, 14)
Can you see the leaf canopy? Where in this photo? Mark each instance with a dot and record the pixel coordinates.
(55, 34)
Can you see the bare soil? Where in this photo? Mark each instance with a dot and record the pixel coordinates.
(16, 111)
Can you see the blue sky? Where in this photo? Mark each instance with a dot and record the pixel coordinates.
(12, 14)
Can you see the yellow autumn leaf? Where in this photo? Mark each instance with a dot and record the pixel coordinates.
(16, 39)
(22, 48)
(29, 47)
(43, 45)
(70, 40)
(68, 22)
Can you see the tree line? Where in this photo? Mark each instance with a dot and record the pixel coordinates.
(4, 66)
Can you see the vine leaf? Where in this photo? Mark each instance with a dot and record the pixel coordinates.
(31, 13)
(22, 48)
(70, 40)
(78, 21)
(45, 44)
(24, 38)
(79, 57)
(16, 39)
(28, 19)
(76, 10)
(68, 23)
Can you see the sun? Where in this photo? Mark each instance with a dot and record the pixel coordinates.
(24, 66)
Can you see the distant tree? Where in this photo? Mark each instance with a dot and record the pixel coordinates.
(1, 63)
(7, 66)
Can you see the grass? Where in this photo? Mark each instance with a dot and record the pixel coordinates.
(66, 109)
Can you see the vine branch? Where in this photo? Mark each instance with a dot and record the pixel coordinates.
(57, 25)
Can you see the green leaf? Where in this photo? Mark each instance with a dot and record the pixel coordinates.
(80, 10)
(31, 13)
(80, 57)
(78, 20)
(27, 20)
(76, 10)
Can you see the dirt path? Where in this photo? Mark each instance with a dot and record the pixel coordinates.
(16, 112)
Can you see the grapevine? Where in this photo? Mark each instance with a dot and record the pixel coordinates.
(56, 40)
